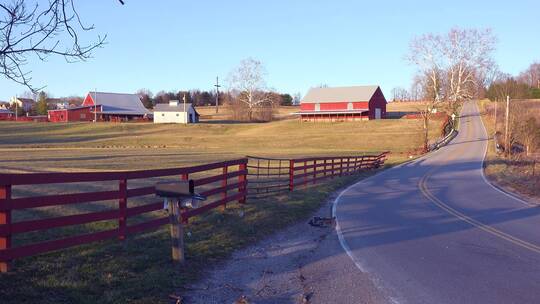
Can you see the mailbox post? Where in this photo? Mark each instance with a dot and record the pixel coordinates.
(176, 195)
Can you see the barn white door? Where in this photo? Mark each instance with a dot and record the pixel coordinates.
(377, 113)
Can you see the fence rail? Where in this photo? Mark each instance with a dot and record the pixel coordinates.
(226, 192)
(222, 182)
(268, 176)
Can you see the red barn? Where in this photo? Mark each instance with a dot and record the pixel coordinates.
(117, 106)
(343, 104)
(72, 114)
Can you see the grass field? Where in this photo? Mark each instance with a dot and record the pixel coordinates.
(83, 146)
(139, 271)
(514, 174)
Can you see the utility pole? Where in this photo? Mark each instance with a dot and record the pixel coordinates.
(95, 105)
(217, 93)
(507, 146)
(185, 110)
(496, 102)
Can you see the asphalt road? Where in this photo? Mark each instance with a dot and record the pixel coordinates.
(434, 231)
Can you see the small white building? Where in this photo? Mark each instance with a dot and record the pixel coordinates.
(175, 112)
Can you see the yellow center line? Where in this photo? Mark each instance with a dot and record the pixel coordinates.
(422, 185)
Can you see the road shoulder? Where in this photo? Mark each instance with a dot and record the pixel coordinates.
(301, 264)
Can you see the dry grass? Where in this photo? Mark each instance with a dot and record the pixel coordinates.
(409, 106)
(208, 113)
(519, 173)
(83, 146)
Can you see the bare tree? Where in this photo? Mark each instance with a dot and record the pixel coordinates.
(249, 86)
(468, 56)
(531, 76)
(399, 93)
(427, 54)
(40, 29)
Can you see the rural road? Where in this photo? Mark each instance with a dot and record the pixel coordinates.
(434, 231)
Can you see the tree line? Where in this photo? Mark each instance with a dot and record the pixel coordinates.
(200, 97)
(524, 86)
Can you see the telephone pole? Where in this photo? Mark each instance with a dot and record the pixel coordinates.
(217, 93)
(16, 108)
(507, 146)
(496, 102)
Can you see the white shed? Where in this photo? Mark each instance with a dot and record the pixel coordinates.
(175, 112)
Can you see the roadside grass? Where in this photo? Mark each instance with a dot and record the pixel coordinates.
(140, 269)
(514, 174)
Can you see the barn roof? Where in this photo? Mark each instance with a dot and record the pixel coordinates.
(337, 94)
(166, 107)
(119, 103)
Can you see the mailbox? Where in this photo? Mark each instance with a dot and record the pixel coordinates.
(182, 192)
(177, 195)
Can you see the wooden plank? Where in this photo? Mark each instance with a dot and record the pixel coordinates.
(75, 177)
(194, 212)
(217, 178)
(133, 211)
(5, 220)
(38, 248)
(141, 191)
(56, 200)
(148, 225)
(68, 220)
(219, 190)
(122, 206)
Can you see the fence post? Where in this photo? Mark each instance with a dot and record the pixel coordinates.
(5, 219)
(333, 167)
(242, 179)
(348, 166)
(122, 206)
(325, 167)
(305, 174)
(224, 184)
(314, 171)
(177, 232)
(291, 175)
(185, 176)
(341, 166)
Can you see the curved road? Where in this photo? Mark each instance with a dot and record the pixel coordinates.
(434, 231)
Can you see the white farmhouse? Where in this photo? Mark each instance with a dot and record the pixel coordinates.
(175, 112)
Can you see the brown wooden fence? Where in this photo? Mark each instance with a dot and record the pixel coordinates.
(231, 186)
(222, 182)
(270, 175)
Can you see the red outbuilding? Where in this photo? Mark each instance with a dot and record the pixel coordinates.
(6, 114)
(85, 113)
(343, 104)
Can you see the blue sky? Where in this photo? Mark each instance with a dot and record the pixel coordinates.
(173, 45)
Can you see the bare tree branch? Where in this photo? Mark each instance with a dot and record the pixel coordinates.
(40, 29)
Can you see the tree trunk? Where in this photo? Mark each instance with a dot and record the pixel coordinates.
(426, 134)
